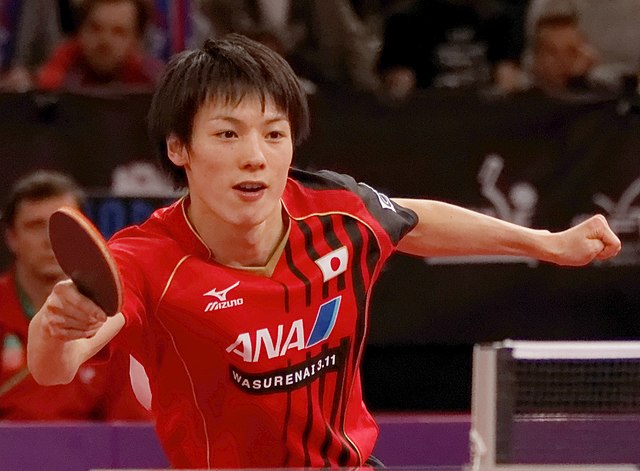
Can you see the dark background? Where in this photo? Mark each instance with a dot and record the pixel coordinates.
(426, 315)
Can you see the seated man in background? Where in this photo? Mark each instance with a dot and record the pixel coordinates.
(562, 58)
(106, 50)
(102, 390)
(609, 27)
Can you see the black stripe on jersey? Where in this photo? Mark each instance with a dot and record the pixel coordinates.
(311, 251)
(324, 448)
(345, 346)
(285, 430)
(309, 424)
(372, 254)
(286, 296)
(373, 257)
(351, 228)
(298, 274)
(332, 239)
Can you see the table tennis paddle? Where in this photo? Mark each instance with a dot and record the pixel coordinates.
(84, 257)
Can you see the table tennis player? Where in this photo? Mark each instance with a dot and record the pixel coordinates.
(247, 300)
(100, 390)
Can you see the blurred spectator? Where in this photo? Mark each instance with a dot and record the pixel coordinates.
(562, 58)
(339, 43)
(105, 51)
(175, 25)
(38, 32)
(38, 28)
(102, 390)
(275, 41)
(9, 18)
(329, 42)
(609, 27)
(505, 31)
(452, 44)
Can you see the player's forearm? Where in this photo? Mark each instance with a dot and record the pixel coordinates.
(448, 230)
(51, 360)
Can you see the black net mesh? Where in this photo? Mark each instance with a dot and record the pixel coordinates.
(567, 410)
(591, 386)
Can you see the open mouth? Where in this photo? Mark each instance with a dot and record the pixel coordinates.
(250, 187)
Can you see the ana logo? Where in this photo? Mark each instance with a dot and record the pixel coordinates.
(334, 263)
(250, 347)
(222, 302)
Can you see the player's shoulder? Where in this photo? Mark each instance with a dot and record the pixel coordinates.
(328, 191)
(320, 191)
(153, 236)
(322, 180)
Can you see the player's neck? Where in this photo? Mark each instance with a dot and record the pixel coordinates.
(253, 250)
(242, 247)
(36, 288)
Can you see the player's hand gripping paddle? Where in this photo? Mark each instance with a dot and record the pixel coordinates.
(84, 257)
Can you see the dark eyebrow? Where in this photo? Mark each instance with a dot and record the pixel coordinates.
(237, 121)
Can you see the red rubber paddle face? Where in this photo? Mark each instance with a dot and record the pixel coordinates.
(84, 257)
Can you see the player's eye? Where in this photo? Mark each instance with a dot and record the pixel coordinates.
(275, 135)
(227, 134)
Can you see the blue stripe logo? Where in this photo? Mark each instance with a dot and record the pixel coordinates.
(325, 320)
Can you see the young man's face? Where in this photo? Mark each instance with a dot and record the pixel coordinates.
(238, 162)
(108, 35)
(28, 238)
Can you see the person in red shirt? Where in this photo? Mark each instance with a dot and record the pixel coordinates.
(247, 300)
(106, 50)
(102, 389)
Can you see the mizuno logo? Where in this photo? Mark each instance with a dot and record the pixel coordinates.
(222, 294)
(222, 302)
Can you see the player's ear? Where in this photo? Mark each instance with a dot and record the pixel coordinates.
(10, 240)
(177, 151)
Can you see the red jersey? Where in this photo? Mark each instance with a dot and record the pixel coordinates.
(100, 390)
(261, 369)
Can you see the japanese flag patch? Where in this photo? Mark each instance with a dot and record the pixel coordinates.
(334, 263)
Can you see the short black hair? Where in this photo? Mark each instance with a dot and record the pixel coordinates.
(227, 70)
(38, 186)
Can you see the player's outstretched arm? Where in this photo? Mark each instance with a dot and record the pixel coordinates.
(68, 330)
(448, 230)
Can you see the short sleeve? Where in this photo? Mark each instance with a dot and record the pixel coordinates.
(133, 306)
(394, 219)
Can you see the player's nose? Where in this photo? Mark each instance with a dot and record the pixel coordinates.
(253, 153)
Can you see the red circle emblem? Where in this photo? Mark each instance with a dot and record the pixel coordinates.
(335, 263)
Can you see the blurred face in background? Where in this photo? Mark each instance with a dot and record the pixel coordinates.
(561, 54)
(108, 35)
(28, 237)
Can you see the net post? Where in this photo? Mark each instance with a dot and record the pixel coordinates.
(483, 407)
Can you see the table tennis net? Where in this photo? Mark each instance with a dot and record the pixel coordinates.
(558, 402)
(572, 386)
